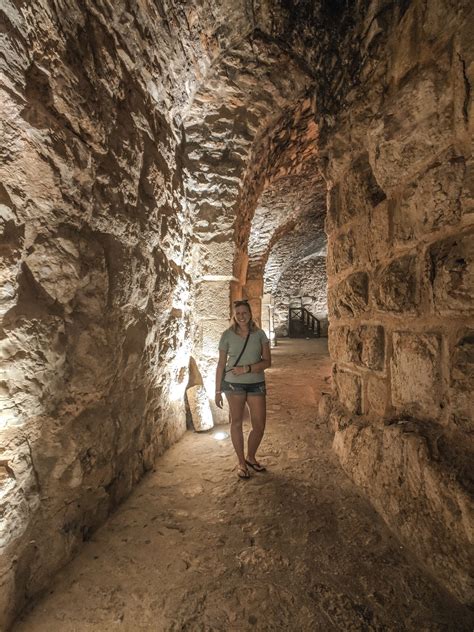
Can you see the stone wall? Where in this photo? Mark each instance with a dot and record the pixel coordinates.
(96, 283)
(400, 265)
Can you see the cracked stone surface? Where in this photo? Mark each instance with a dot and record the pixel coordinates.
(295, 548)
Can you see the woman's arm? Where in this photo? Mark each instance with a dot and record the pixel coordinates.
(264, 363)
(219, 375)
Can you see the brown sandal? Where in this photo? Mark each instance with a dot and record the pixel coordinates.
(242, 472)
(256, 466)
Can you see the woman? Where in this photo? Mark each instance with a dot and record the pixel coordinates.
(244, 354)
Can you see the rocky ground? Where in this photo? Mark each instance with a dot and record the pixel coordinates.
(293, 549)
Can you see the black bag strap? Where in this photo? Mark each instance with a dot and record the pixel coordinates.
(240, 354)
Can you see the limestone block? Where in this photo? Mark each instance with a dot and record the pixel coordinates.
(55, 266)
(325, 406)
(377, 237)
(367, 190)
(332, 304)
(372, 354)
(432, 201)
(377, 396)
(209, 334)
(452, 274)
(418, 120)
(348, 387)
(355, 194)
(364, 345)
(396, 286)
(462, 377)
(200, 408)
(360, 189)
(91, 366)
(241, 263)
(255, 305)
(342, 252)
(216, 257)
(337, 337)
(213, 299)
(415, 374)
(350, 297)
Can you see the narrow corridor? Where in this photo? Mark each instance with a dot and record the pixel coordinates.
(293, 549)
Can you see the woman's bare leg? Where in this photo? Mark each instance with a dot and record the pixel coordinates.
(237, 408)
(258, 413)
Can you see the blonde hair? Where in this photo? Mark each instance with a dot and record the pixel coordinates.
(234, 325)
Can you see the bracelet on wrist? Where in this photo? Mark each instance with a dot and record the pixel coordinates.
(218, 392)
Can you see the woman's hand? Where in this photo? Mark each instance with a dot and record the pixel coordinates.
(240, 370)
(218, 400)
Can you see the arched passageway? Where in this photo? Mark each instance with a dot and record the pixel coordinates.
(294, 548)
(161, 158)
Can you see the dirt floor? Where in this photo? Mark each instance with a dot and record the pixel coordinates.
(295, 548)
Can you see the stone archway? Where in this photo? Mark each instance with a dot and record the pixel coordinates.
(229, 123)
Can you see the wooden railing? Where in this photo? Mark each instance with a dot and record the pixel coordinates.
(302, 322)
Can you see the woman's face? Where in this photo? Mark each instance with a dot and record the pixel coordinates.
(242, 314)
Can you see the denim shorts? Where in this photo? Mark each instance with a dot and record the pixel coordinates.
(257, 388)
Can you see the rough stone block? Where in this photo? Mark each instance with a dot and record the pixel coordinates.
(396, 286)
(337, 337)
(452, 274)
(217, 258)
(432, 201)
(364, 345)
(355, 194)
(212, 299)
(348, 387)
(377, 396)
(342, 252)
(209, 333)
(200, 408)
(415, 374)
(350, 297)
(332, 304)
(55, 266)
(372, 353)
(409, 134)
(461, 381)
(377, 237)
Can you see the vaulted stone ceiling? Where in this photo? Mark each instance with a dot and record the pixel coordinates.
(251, 167)
(239, 103)
(291, 186)
(236, 126)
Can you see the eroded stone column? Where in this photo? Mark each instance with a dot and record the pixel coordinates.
(212, 310)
